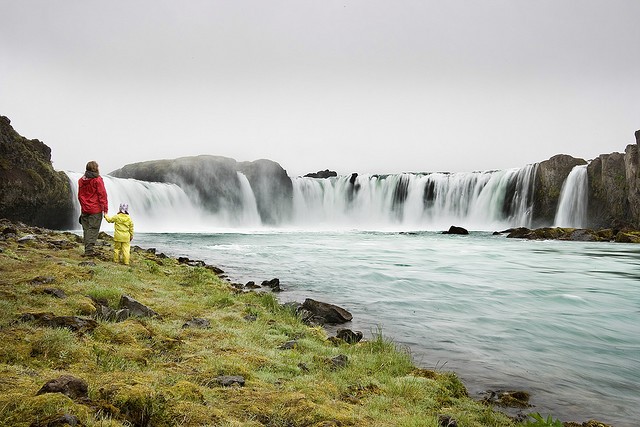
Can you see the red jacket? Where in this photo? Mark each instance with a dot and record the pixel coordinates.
(92, 195)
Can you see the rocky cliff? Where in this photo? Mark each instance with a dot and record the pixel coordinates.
(550, 176)
(31, 191)
(614, 183)
(613, 188)
(215, 183)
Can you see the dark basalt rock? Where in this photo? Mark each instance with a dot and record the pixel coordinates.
(31, 191)
(58, 420)
(289, 345)
(575, 234)
(70, 386)
(349, 336)
(456, 230)
(58, 293)
(322, 174)
(339, 361)
(136, 308)
(273, 284)
(324, 313)
(230, 380)
(197, 322)
(511, 399)
(74, 323)
(447, 421)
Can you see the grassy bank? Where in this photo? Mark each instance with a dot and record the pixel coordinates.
(160, 371)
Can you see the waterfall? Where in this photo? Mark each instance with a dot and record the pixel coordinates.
(488, 200)
(477, 200)
(155, 206)
(572, 205)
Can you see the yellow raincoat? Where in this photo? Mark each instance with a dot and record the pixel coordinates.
(123, 227)
(122, 236)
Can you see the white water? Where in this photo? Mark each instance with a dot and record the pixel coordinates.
(478, 200)
(572, 206)
(425, 201)
(162, 207)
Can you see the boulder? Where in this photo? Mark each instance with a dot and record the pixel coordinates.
(31, 191)
(507, 398)
(74, 323)
(349, 336)
(325, 313)
(198, 323)
(456, 230)
(230, 380)
(273, 284)
(136, 308)
(70, 386)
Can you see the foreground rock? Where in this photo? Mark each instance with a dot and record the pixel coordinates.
(321, 313)
(70, 386)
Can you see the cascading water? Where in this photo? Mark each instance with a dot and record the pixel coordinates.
(479, 200)
(572, 206)
(154, 206)
(476, 200)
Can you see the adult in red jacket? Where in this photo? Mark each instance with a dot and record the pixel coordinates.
(93, 203)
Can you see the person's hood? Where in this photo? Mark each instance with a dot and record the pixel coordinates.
(90, 175)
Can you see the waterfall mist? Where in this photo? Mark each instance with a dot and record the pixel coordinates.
(488, 200)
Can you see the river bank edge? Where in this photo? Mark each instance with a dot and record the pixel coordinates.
(36, 237)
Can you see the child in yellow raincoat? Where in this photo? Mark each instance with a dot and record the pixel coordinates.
(123, 233)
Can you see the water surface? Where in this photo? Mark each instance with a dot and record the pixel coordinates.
(558, 319)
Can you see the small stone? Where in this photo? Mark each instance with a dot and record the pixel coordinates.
(289, 345)
(229, 380)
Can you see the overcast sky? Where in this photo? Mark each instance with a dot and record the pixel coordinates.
(352, 85)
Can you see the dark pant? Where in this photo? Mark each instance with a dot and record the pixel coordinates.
(91, 228)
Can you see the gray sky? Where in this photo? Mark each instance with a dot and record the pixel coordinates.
(352, 85)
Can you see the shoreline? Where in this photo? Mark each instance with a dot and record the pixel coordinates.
(481, 388)
(147, 251)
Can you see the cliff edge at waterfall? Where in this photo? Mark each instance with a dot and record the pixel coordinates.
(614, 188)
(214, 181)
(261, 193)
(31, 191)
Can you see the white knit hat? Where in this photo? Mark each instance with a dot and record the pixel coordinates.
(124, 208)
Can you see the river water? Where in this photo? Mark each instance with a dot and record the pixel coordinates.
(558, 319)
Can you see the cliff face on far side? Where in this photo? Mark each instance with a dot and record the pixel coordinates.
(31, 191)
(614, 189)
(550, 176)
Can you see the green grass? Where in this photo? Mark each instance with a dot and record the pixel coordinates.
(154, 372)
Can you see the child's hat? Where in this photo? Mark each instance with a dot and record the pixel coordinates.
(124, 207)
